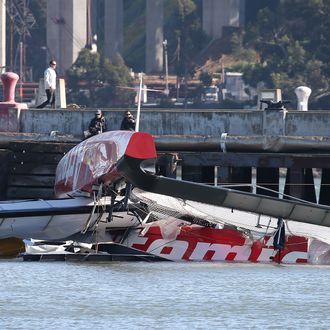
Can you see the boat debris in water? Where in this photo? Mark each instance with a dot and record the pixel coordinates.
(112, 206)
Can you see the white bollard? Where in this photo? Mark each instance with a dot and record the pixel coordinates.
(303, 94)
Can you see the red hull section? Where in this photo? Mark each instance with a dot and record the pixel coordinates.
(94, 160)
(195, 243)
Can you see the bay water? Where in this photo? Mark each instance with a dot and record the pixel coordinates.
(163, 295)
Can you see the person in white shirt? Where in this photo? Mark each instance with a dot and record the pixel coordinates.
(50, 85)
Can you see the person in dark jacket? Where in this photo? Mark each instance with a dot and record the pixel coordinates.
(128, 122)
(97, 124)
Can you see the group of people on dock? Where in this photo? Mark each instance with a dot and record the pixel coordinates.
(98, 124)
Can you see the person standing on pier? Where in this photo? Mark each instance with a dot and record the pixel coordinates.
(50, 85)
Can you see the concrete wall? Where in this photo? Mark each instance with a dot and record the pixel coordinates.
(163, 122)
(66, 31)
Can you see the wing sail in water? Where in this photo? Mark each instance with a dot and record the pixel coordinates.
(296, 210)
(163, 206)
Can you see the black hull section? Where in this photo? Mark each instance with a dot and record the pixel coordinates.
(106, 252)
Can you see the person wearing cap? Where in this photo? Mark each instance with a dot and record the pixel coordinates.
(50, 85)
(128, 122)
(97, 124)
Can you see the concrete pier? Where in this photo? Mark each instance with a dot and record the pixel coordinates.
(185, 122)
(285, 151)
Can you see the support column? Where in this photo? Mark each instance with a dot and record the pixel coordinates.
(2, 35)
(113, 28)
(66, 31)
(282, 172)
(5, 156)
(220, 13)
(154, 35)
(317, 180)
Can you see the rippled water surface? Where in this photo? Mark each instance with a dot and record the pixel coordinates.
(59, 295)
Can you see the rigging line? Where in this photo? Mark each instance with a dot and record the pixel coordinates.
(206, 217)
(65, 25)
(75, 39)
(287, 227)
(273, 191)
(136, 221)
(300, 243)
(97, 222)
(223, 221)
(297, 233)
(202, 214)
(268, 226)
(96, 199)
(175, 211)
(159, 209)
(162, 245)
(141, 209)
(159, 215)
(159, 212)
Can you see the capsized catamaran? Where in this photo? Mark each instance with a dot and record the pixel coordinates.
(91, 162)
(161, 217)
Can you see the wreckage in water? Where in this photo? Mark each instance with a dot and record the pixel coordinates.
(162, 217)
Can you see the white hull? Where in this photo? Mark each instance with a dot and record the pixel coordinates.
(41, 219)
